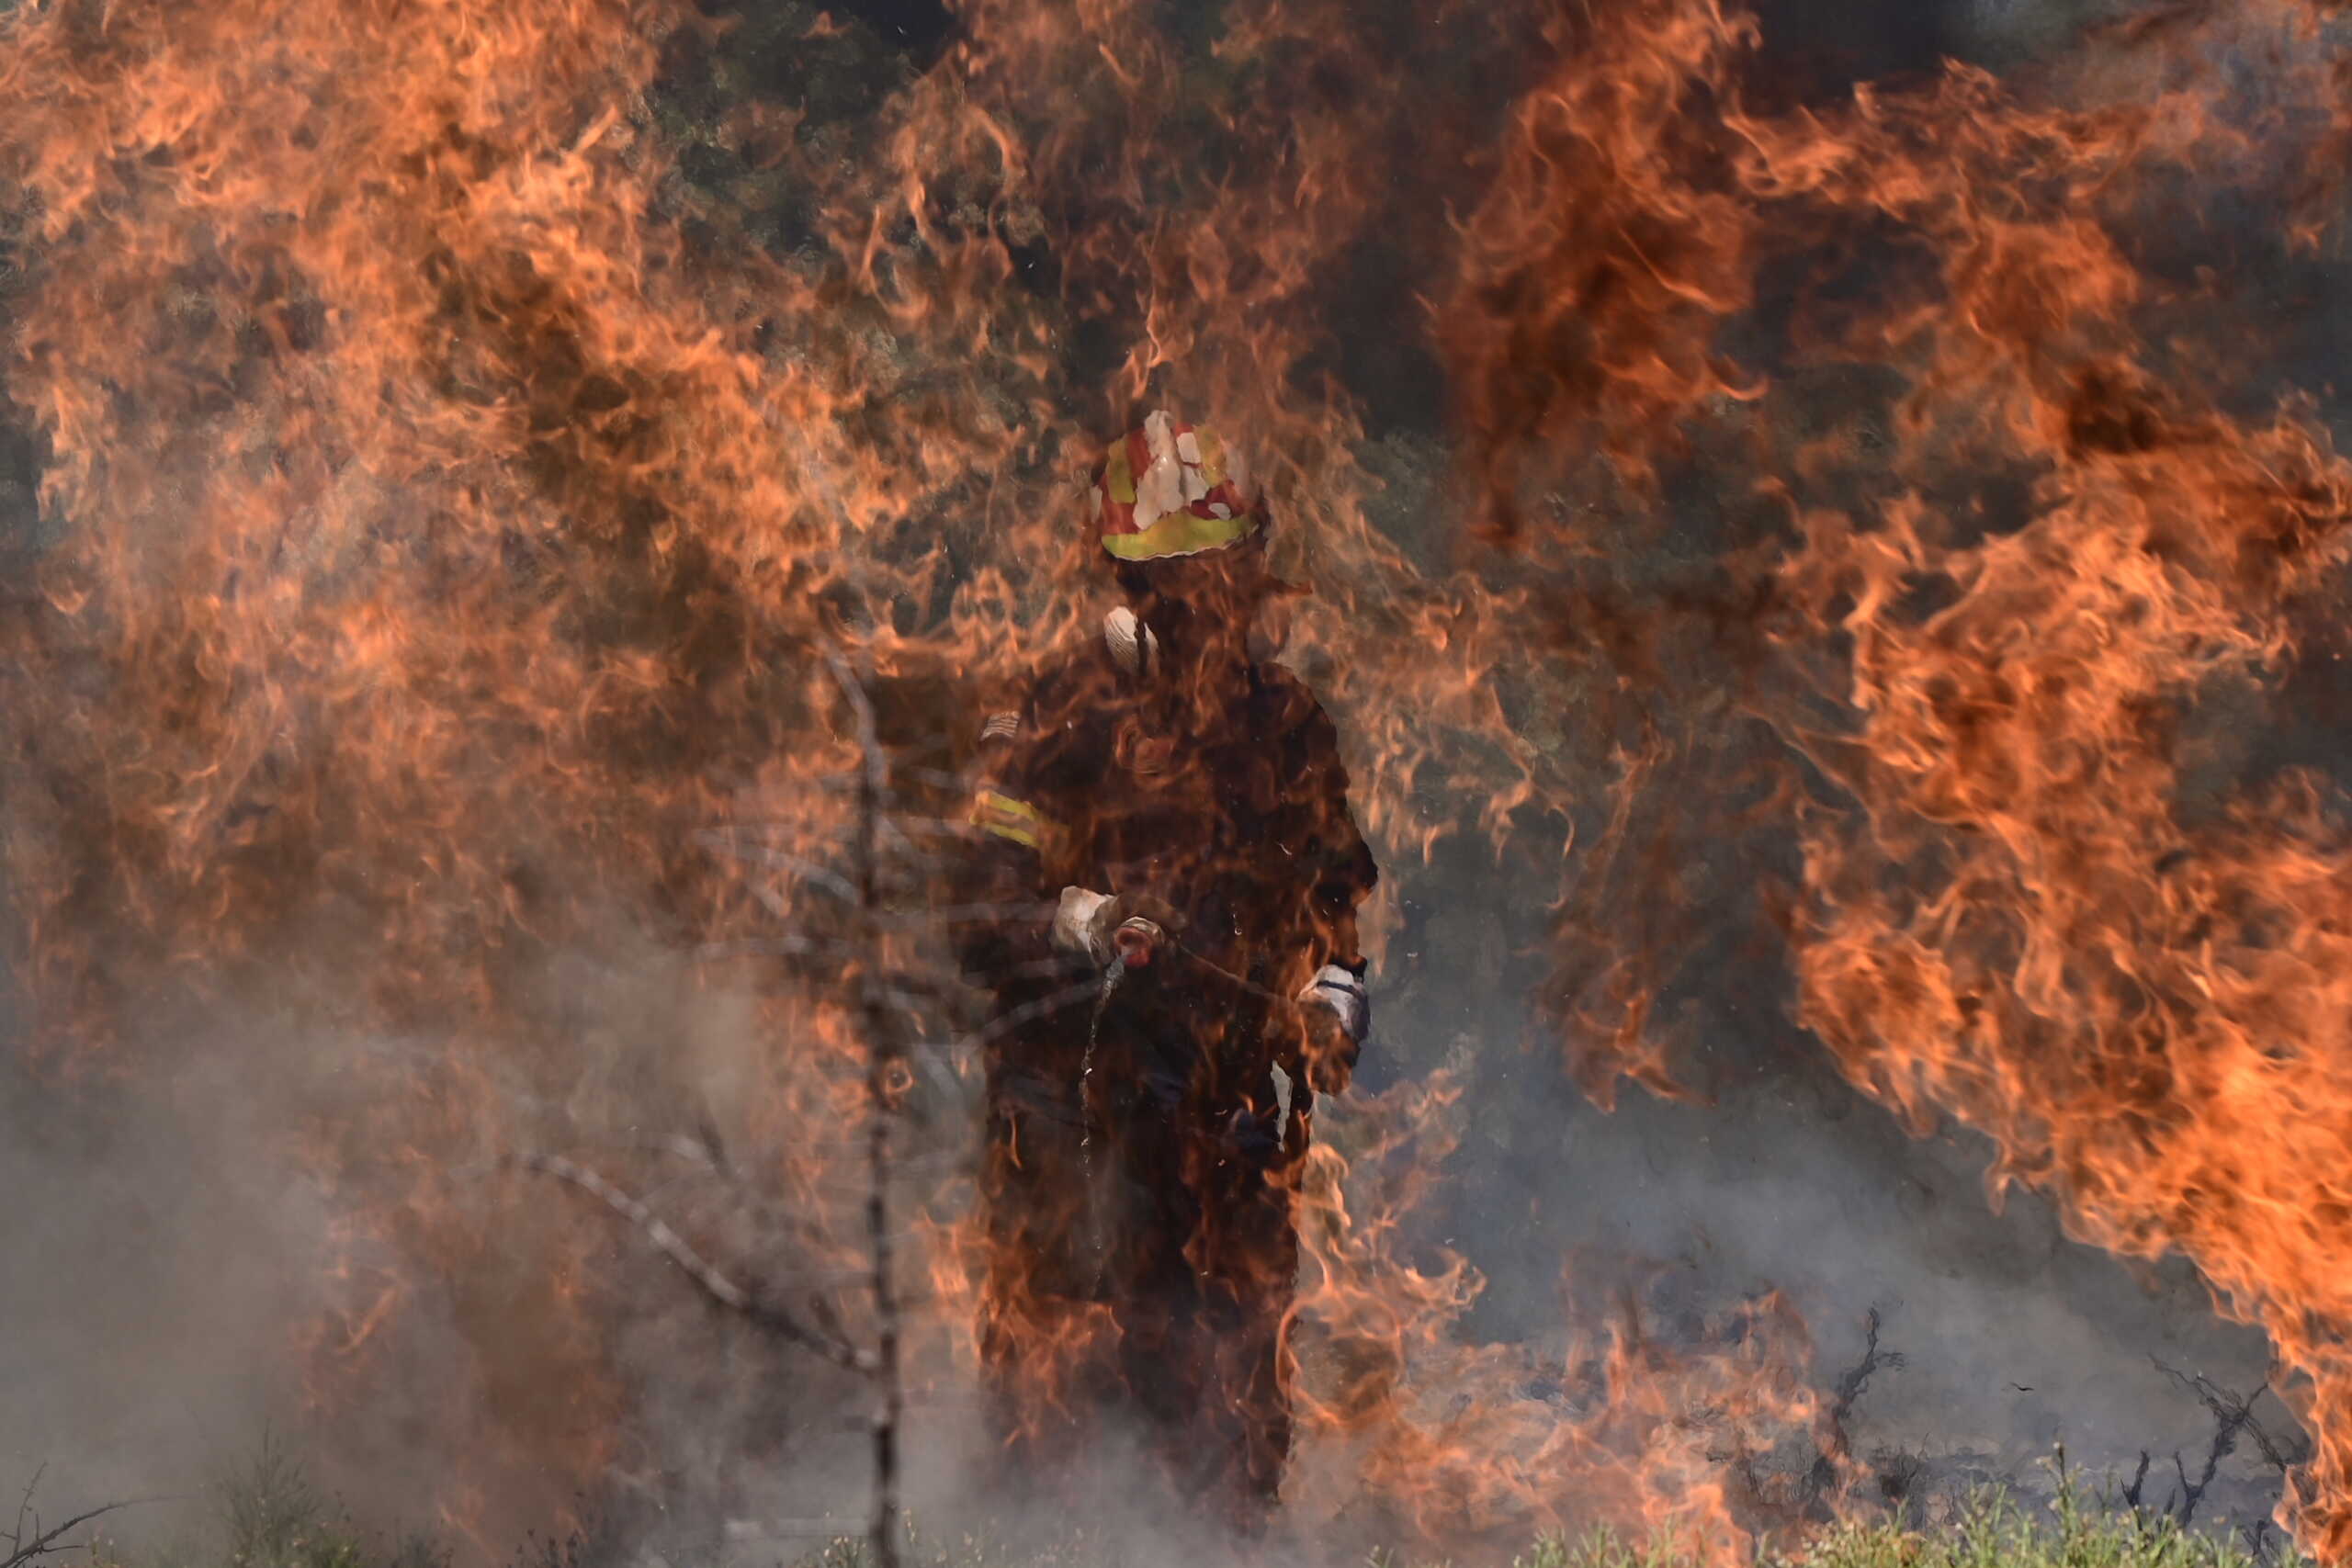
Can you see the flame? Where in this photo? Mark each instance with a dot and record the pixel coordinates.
(1607, 255)
(446, 552)
(2029, 925)
(459, 502)
(2012, 909)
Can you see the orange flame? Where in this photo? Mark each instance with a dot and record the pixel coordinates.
(452, 537)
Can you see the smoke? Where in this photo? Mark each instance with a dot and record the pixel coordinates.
(154, 1258)
(203, 1259)
(2014, 1339)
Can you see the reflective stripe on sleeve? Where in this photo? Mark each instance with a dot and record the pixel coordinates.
(1010, 819)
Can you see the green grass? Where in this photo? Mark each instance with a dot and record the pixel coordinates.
(1992, 1530)
(268, 1515)
(2075, 1530)
(1994, 1533)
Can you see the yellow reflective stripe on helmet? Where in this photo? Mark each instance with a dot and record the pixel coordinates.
(1179, 533)
(1212, 457)
(1009, 818)
(1118, 477)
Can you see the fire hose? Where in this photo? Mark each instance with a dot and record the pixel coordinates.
(1135, 944)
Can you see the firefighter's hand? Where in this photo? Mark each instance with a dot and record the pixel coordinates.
(1336, 1015)
(1132, 927)
(1129, 926)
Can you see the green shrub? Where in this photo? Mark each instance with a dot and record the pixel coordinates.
(269, 1516)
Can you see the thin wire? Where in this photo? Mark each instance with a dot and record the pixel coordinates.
(1111, 978)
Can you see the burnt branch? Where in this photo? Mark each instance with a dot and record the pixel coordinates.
(1835, 1446)
(719, 841)
(27, 1542)
(765, 947)
(857, 941)
(2233, 1418)
(1856, 1378)
(745, 1304)
(884, 1051)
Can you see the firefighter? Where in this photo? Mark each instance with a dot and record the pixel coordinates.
(1164, 824)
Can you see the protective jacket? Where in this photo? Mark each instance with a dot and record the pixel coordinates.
(1134, 1202)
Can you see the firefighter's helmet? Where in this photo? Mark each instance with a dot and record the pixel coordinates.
(1168, 489)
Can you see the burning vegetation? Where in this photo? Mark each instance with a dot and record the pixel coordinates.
(528, 510)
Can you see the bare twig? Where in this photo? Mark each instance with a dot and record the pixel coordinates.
(883, 1052)
(723, 843)
(764, 947)
(27, 1542)
(50, 1543)
(1835, 1446)
(735, 1298)
(1029, 1012)
(2233, 1416)
(898, 825)
(962, 915)
(25, 1504)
